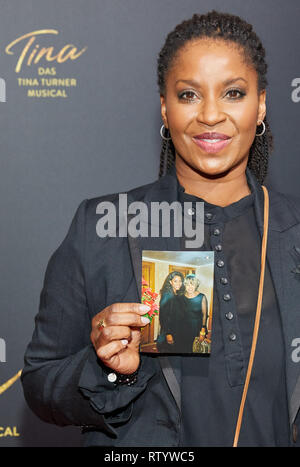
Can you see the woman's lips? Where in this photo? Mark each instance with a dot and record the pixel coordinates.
(213, 145)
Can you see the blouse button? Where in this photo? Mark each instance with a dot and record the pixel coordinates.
(229, 315)
(112, 377)
(208, 216)
(217, 232)
(218, 247)
(220, 263)
(232, 336)
(226, 297)
(191, 211)
(224, 280)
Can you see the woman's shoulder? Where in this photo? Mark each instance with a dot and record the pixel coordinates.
(137, 193)
(199, 296)
(284, 203)
(161, 189)
(111, 205)
(287, 199)
(118, 198)
(165, 296)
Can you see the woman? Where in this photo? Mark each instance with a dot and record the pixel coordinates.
(83, 366)
(169, 312)
(193, 306)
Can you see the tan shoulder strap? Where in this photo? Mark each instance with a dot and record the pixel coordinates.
(257, 316)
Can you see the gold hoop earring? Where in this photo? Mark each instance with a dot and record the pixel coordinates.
(264, 128)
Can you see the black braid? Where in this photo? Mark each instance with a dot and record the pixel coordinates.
(259, 153)
(234, 29)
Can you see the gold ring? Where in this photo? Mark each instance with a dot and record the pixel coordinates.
(101, 324)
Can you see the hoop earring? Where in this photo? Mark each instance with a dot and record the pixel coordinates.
(264, 129)
(162, 133)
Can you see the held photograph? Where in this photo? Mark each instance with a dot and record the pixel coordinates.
(178, 286)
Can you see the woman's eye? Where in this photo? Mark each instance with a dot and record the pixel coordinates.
(187, 95)
(235, 94)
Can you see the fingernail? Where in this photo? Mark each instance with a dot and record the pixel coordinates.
(144, 308)
(145, 320)
(124, 341)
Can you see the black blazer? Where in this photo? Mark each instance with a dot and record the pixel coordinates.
(63, 380)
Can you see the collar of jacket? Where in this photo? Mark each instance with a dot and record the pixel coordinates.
(167, 189)
(281, 241)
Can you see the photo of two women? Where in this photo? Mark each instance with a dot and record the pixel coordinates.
(182, 284)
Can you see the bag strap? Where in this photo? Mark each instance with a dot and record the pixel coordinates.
(257, 316)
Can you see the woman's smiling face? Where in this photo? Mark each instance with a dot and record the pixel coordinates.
(190, 287)
(176, 283)
(211, 89)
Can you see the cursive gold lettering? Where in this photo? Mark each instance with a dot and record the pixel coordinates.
(47, 51)
(70, 55)
(32, 54)
(68, 52)
(31, 35)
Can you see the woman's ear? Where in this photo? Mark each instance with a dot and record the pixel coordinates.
(163, 110)
(262, 110)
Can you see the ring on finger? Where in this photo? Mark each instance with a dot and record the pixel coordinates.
(101, 324)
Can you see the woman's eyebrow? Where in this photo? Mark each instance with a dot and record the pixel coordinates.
(196, 84)
(233, 80)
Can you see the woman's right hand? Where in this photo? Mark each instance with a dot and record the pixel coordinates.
(116, 335)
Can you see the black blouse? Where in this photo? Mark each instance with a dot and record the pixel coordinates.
(215, 383)
(191, 320)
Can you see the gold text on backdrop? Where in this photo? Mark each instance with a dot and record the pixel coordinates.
(32, 53)
(10, 382)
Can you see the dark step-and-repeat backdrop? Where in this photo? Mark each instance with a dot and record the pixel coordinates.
(83, 120)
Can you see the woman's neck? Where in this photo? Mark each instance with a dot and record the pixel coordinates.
(220, 191)
(191, 295)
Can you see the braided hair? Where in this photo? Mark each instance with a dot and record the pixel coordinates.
(230, 28)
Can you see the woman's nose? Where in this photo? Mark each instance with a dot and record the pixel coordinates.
(210, 111)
